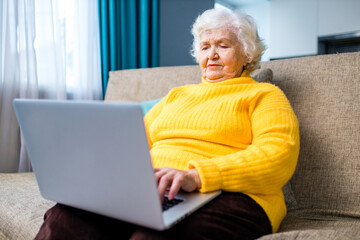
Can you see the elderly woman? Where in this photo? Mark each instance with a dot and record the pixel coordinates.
(227, 133)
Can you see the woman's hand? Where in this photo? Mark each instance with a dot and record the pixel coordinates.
(175, 180)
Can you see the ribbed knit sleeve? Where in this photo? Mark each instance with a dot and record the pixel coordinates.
(268, 162)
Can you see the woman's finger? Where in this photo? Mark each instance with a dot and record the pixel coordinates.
(175, 180)
(164, 182)
(157, 170)
(158, 176)
(175, 185)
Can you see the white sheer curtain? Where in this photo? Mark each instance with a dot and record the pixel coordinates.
(49, 49)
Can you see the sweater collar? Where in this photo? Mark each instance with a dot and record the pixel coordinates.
(244, 78)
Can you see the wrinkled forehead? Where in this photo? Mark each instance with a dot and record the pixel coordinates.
(218, 34)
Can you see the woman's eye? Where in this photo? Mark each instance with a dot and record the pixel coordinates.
(204, 48)
(224, 46)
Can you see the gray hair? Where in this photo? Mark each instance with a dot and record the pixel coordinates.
(242, 25)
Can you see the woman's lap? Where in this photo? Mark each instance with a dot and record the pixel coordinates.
(229, 216)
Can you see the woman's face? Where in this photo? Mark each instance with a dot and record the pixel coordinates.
(221, 56)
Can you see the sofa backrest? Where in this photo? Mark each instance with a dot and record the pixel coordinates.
(149, 83)
(324, 92)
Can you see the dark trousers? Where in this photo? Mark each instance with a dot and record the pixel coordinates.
(229, 216)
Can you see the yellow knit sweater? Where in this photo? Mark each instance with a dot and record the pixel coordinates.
(240, 135)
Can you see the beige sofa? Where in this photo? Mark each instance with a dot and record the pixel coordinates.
(323, 197)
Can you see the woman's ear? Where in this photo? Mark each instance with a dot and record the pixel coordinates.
(248, 59)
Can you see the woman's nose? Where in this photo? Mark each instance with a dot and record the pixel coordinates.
(213, 53)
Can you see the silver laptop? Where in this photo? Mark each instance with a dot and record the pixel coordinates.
(95, 156)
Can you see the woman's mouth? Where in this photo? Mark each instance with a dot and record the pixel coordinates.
(213, 65)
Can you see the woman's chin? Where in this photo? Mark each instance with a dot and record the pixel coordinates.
(213, 80)
(214, 77)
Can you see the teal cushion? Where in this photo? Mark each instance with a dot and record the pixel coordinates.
(147, 105)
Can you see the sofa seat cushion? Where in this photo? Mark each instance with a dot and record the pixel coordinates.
(22, 208)
(301, 224)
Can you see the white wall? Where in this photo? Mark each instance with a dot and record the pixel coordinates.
(291, 27)
(338, 16)
(260, 11)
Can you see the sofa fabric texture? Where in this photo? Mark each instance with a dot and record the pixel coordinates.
(22, 208)
(323, 196)
(324, 92)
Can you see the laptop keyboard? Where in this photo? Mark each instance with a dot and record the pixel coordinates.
(167, 204)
